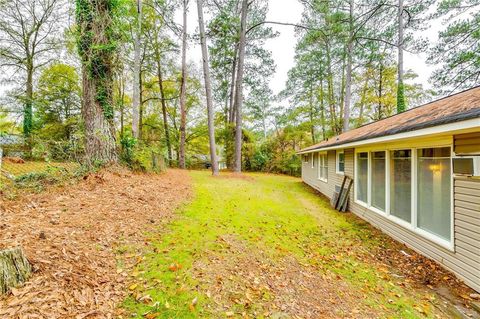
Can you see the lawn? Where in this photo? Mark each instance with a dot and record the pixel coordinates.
(18, 169)
(266, 246)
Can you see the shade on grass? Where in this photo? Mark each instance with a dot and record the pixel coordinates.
(276, 214)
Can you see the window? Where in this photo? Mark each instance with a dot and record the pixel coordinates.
(323, 167)
(313, 160)
(378, 180)
(412, 187)
(434, 191)
(401, 184)
(340, 162)
(305, 158)
(362, 177)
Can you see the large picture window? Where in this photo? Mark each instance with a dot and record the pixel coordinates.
(434, 189)
(378, 180)
(323, 167)
(401, 184)
(362, 177)
(412, 187)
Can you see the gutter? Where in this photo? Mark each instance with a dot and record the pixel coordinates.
(452, 124)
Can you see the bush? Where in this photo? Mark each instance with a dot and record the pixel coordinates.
(139, 157)
(57, 150)
(274, 155)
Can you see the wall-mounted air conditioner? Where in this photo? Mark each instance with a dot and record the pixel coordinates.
(466, 165)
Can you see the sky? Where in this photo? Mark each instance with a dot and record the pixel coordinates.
(283, 47)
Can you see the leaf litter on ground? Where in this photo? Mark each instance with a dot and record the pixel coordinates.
(74, 237)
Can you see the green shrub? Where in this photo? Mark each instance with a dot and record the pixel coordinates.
(140, 157)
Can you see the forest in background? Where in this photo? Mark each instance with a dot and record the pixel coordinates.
(103, 81)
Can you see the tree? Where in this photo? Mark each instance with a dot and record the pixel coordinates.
(239, 88)
(58, 101)
(400, 88)
(208, 90)
(348, 85)
(345, 47)
(458, 49)
(97, 49)
(28, 31)
(159, 59)
(183, 88)
(224, 36)
(137, 64)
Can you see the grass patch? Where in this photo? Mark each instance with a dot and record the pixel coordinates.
(275, 214)
(35, 176)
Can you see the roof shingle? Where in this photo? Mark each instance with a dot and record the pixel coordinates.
(458, 107)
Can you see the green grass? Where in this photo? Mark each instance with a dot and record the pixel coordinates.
(276, 214)
(35, 175)
(28, 167)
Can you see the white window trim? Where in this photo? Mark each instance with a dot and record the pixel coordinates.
(319, 167)
(337, 162)
(368, 203)
(412, 226)
(387, 180)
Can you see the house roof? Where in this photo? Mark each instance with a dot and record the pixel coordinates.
(9, 139)
(454, 108)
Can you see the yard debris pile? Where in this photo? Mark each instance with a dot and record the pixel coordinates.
(70, 236)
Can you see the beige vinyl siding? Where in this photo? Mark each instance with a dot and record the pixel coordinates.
(310, 175)
(464, 261)
(467, 144)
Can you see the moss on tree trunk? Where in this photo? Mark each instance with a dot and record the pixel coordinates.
(14, 269)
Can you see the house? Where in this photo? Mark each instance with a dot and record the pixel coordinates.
(416, 177)
(11, 145)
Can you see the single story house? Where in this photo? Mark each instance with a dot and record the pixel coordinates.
(11, 145)
(416, 177)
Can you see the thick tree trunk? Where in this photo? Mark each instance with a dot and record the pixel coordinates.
(401, 107)
(97, 82)
(14, 269)
(239, 88)
(183, 90)
(348, 89)
(100, 144)
(164, 109)
(136, 103)
(208, 90)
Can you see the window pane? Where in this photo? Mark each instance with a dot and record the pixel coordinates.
(378, 180)
(401, 184)
(341, 162)
(434, 191)
(362, 176)
(322, 166)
